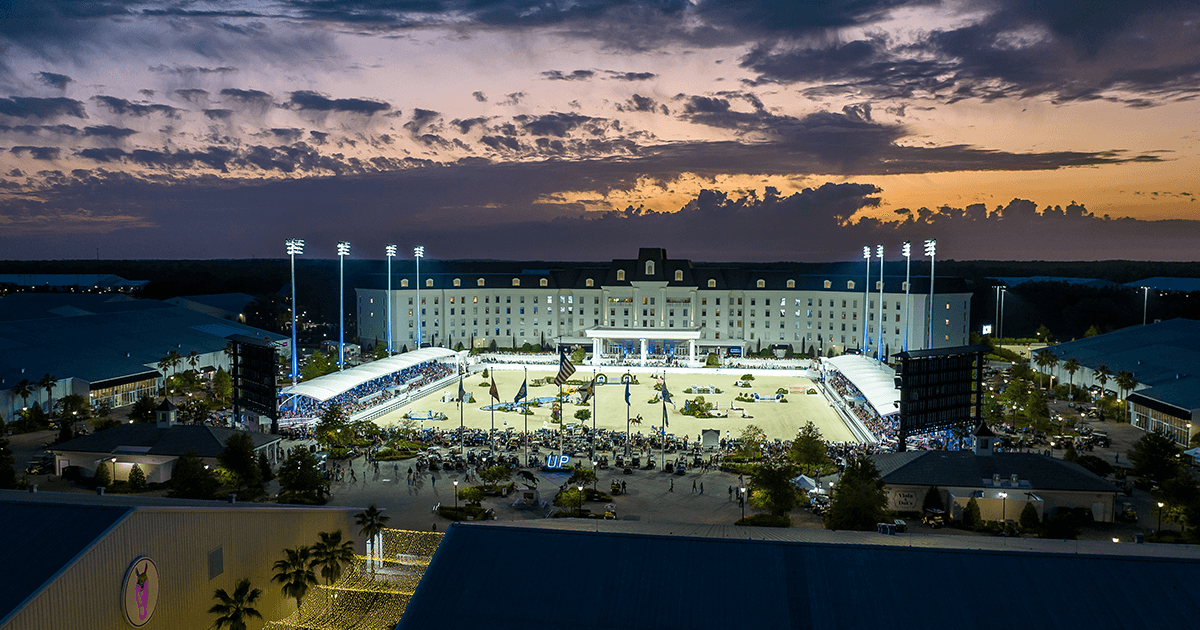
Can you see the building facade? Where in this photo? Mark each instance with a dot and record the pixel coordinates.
(659, 306)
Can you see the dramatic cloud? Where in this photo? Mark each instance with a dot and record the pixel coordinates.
(58, 81)
(37, 153)
(33, 107)
(307, 100)
(578, 75)
(123, 107)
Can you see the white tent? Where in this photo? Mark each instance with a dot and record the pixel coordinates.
(875, 380)
(330, 385)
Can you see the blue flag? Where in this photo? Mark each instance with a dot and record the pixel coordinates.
(666, 395)
(462, 393)
(665, 423)
(521, 393)
(626, 394)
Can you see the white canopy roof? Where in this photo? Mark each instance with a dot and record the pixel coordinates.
(330, 385)
(875, 380)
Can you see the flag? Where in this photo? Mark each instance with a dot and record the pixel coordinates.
(666, 395)
(665, 423)
(626, 394)
(495, 393)
(521, 393)
(587, 391)
(462, 393)
(565, 369)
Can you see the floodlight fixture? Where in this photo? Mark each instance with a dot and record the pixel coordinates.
(294, 247)
(390, 251)
(906, 248)
(343, 250)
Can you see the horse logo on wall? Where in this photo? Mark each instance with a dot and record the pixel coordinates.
(139, 593)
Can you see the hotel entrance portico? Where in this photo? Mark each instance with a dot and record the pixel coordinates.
(644, 346)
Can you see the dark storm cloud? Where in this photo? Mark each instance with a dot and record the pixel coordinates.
(61, 130)
(577, 75)
(479, 96)
(501, 143)
(58, 81)
(464, 126)
(218, 114)
(314, 101)
(108, 131)
(37, 153)
(123, 107)
(193, 95)
(559, 124)
(421, 119)
(247, 97)
(639, 103)
(629, 76)
(34, 107)
(288, 135)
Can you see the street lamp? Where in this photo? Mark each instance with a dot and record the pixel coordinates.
(742, 490)
(390, 251)
(907, 250)
(343, 250)
(1003, 506)
(931, 252)
(879, 328)
(1160, 507)
(866, 344)
(596, 475)
(419, 253)
(295, 247)
(456, 496)
(580, 489)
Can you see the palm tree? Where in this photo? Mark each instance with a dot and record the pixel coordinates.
(294, 572)
(330, 554)
(1071, 366)
(1044, 359)
(23, 389)
(1102, 373)
(236, 609)
(174, 360)
(1126, 382)
(193, 359)
(372, 521)
(47, 383)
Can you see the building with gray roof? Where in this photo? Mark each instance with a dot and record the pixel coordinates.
(1164, 357)
(231, 306)
(72, 281)
(106, 348)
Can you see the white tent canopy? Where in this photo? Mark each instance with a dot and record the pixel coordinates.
(875, 380)
(330, 385)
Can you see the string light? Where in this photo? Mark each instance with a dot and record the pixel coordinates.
(364, 597)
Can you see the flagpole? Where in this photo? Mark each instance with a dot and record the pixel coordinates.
(594, 394)
(662, 442)
(525, 412)
(462, 403)
(626, 422)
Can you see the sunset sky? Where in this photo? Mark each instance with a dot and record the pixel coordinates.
(749, 130)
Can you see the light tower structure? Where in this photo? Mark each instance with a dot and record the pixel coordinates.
(907, 249)
(295, 247)
(866, 344)
(343, 250)
(931, 252)
(419, 253)
(879, 328)
(390, 251)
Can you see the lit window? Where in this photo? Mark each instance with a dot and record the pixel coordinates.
(620, 274)
(712, 283)
(678, 275)
(850, 285)
(649, 267)
(404, 283)
(457, 282)
(516, 282)
(479, 282)
(791, 284)
(543, 282)
(588, 282)
(761, 283)
(828, 284)
(429, 282)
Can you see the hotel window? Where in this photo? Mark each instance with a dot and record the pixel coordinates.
(479, 282)
(828, 284)
(761, 283)
(712, 284)
(850, 284)
(649, 267)
(791, 284)
(458, 282)
(620, 274)
(516, 282)
(429, 282)
(403, 283)
(588, 282)
(678, 275)
(543, 282)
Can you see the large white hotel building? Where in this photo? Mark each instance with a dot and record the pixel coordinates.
(655, 306)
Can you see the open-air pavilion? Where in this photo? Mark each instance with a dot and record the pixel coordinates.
(644, 344)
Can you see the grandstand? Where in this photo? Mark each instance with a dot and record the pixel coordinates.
(369, 391)
(863, 392)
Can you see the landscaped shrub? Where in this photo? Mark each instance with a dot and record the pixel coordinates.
(765, 520)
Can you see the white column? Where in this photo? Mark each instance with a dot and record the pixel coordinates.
(643, 355)
(692, 351)
(596, 354)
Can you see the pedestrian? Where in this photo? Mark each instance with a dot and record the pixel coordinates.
(672, 486)
(623, 487)
(701, 487)
(1116, 457)
(730, 493)
(432, 480)
(693, 486)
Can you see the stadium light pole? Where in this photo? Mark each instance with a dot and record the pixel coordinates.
(996, 321)
(879, 311)
(866, 344)
(1145, 303)
(1003, 294)
(907, 249)
(390, 250)
(343, 250)
(295, 247)
(419, 253)
(931, 252)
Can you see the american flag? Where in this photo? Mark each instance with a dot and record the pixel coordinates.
(493, 391)
(565, 370)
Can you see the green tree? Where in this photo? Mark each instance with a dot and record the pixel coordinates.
(103, 476)
(578, 356)
(1029, 518)
(859, 499)
(471, 496)
(143, 409)
(751, 440)
(1092, 331)
(495, 475)
(971, 518)
(24, 389)
(294, 573)
(1044, 359)
(809, 450)
(330, 554)
(191, 480)
(334, 427)
(372, 521)
(300, 479)
(48, 383)
(1155, 457)
(772, 481)
(1043, 334)
(8, 472)
(581, 475)
(316, 366)
(1071, 366)
(137, 479)
(238, 458)
(222, 385)
(1102, 374)
(583, 414)
(235, 609)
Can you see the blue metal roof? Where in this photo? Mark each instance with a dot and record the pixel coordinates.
(501, 577)
(40, 541)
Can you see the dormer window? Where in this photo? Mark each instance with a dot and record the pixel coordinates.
(850, 285)
(678, 275)
(791, 284)
(589, 282)
(404, 284)
(621, 274)
(516, 282)
(544, 282)
(479, 282)
(904, 285)
(712, 284)
(828, 284)
(878, 284)
(649, 267)
(458, 282)
(761, 283)
(429, 282)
